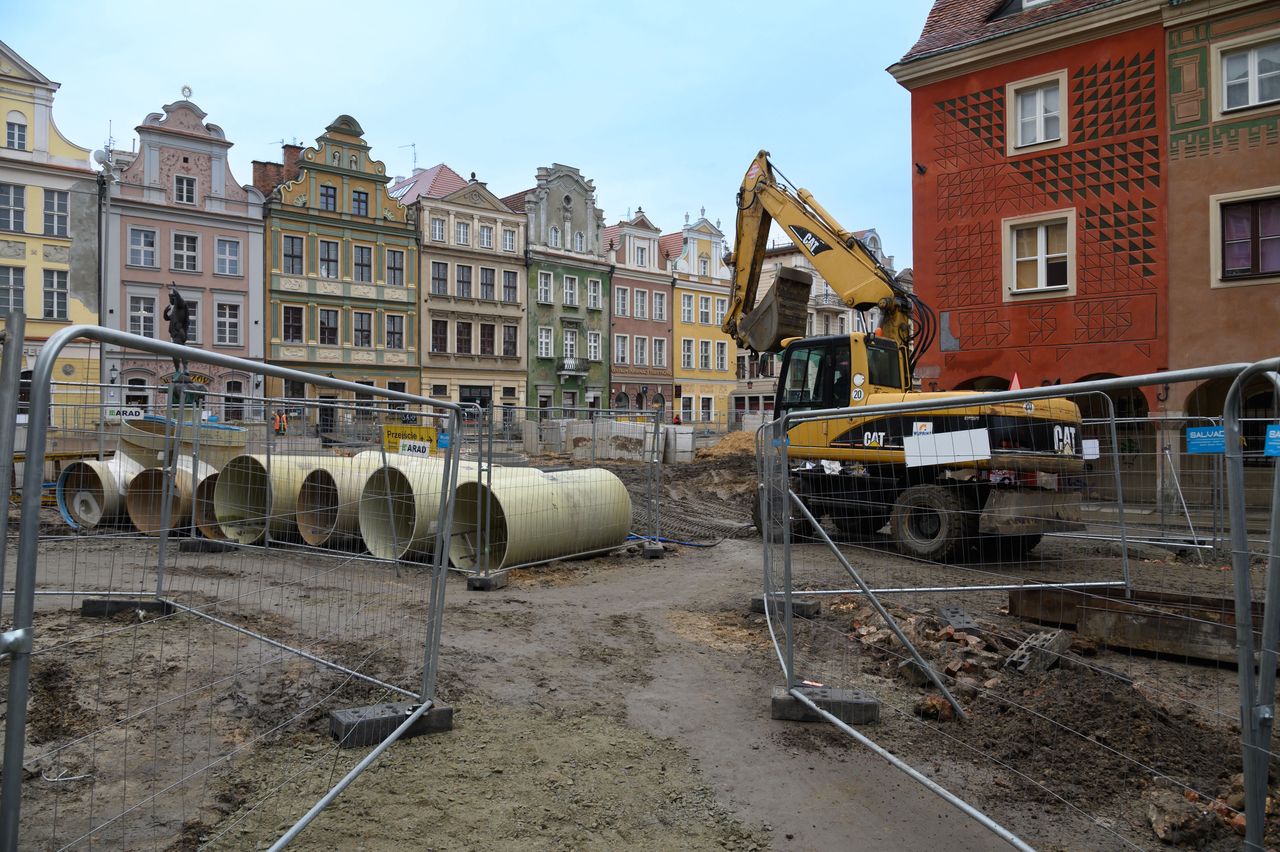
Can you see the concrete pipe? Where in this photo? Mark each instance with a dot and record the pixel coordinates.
(328, 509)
(202, 514)
(145, 501)
(546, 516)
(219, 443)
(244, 505)
(92, 492)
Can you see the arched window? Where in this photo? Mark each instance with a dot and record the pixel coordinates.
(621, 402)
(233, 404)
(660, 403)
(640, 402)
(553, 237)
(16, 131)
(136, 393)
(704, 265)
(579, 241)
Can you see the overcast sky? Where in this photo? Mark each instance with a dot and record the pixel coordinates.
(662, 104)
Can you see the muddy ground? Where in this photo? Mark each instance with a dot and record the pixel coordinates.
(600, 703)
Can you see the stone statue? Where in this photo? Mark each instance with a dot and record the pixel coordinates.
(179, 317)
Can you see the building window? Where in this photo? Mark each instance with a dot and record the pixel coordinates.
(142, 247)
(642, 351)
(362, 329)
(621, 344)
(294, 389)
(397, 387)
(1040, 256)
(55, 294)
(486, 338)
(686, 354)
(142, 315)
(462, 338)
(826, 323)
(510, 289)
(686, 307)
(486, 283)
(291, 324)
(395, 331)
(544, 287)
(722, 356)
(437, 230)
(359, 202)
(704, 310)
(1251, 238)
(642, 256)
(841, 320)
(329, 198)
(553, 237)
(227, 324)
(439, 336)
(463, 233)
(508, 239)
(186, 252)
(640, 309)
(510, 339)
(462, 278)
(704, 266)
(227, 257)
(1035, 118)
(16, 135)
(571, 290)
(55, 212)
(362, 263)
(570, 343)
(291, 249)
(328, 327)
(593, 294)
(395, 267)
(704, 354)
(184, 189)
(544, 342)
(593, 346)
(328, 259)
(659, 352)
(686, 408)
(439, 278)
(233, 404)
(708, 411)
(193, 319)
(579, 242)
(620, 295)
(1251, 76)
(486, 236)
(12, 207)
(12, 295)
(722, 306)
(660, 307)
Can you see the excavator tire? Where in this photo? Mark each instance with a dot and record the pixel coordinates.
(931, 522)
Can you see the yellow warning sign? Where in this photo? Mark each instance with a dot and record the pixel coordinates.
(411, 440)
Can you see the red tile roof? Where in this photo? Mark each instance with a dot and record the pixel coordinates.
(516, 200)
(953, 24)
(611, 234)
(670, 246)
(435, 182)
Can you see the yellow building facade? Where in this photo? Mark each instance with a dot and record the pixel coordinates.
(704, 356)
(48, 234)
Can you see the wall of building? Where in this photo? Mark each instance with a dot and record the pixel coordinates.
(698, 386)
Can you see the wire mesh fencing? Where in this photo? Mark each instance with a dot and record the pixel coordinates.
(993, 575)
(195, 591)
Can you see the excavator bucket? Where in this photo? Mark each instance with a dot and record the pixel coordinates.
(782, 313)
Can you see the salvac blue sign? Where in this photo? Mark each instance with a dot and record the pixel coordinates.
(1272, 446)
(1206, 439)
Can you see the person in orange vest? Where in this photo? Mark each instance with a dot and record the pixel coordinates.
(275, 422)
(284, 423)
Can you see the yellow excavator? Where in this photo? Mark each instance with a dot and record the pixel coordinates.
(951, 482)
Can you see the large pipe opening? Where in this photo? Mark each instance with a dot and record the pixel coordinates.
(476, 505)
(317, 513)
(145, 501)
(241, 500)
(202, 514)
(91, 492)
(390, 512)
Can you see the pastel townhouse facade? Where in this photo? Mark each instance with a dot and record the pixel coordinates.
(568, 292)
(704, 369)
(341, 273)
(640, 374)
(178, 217)
(472, 340)
(1040, 190)
(48, 232)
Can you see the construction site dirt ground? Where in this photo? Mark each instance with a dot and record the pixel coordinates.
(624, 701)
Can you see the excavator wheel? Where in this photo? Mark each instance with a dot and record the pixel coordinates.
(931, 522)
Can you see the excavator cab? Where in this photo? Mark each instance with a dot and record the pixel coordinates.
(780, 314)
(837, 372)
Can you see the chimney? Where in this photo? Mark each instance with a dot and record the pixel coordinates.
(267, 176)
(292, 162)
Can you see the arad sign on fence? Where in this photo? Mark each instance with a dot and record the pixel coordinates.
(410, 440)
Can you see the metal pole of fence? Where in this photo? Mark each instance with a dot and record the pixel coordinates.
(1115, 466)
(1195, 537)
(10, 377)
(172, 450)
(440, 561)
(784, 509)
(488, 497)
(593, 436)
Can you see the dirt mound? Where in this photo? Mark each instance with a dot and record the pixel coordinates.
(733, 444)
(55, 713)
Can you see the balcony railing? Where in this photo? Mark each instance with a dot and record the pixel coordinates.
(828, 300)
(573, 367)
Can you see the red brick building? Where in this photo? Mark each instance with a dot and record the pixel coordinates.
(1039, 133)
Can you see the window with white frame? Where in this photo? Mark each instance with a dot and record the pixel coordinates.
(328, 259)
(55, 294)
(642, 351)
(842, 323)
(642, 256)
(394, 332)
(707, 404)
(1035, 117)
(704, 310)
(193, 319)
(722, 306)
(621, 344)
(142, 315)
(660, 307)
(704, 266)
(544, 287)
(462, 233)
(362, 263)
(659, 352)
(508, 239)
(570, 343)
(227, 257)
(329, 326)
(486, 338)
(462, 281)
(553, 237)
(291, 251)
(620, 298)
(13, 207)
(226, 324)
(571, 290)
(439, 278)
(686, 353)
(1251, 76)
(510, 290)
(486, 236)
(437, 230)
(593, 293)
(704, 354)
(510, 340)
(686, 307)
(16, 132)
(487, 284)
(722, 356)
(291, 324)
(462, 338)
(544, 342)
(186, 252)
(56, 212)
(640, 309)
(593, 346)
(395, 268)
(12, 289)
(142, 247)
(1038, 253)
(184, 189)
(579, 241)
